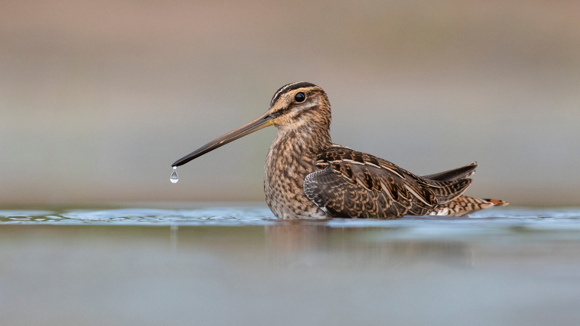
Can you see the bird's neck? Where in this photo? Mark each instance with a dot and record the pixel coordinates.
(305, 141)
(291, 158)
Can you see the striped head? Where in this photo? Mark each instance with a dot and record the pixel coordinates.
(300, 104)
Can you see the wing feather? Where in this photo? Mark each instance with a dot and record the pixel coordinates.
(459, 173)
(354, 184)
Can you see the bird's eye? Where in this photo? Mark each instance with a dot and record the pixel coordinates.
(300, 97)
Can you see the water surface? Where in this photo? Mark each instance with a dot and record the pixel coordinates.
(261, 215)
(201, 265)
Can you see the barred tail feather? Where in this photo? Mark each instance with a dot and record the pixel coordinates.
(464, 205)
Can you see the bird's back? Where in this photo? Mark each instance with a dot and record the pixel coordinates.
(353, 184)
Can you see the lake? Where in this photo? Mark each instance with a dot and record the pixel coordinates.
(194, 264)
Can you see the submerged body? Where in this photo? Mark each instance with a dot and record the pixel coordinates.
(309, 177)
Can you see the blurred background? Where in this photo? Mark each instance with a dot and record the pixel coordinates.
(98, 98)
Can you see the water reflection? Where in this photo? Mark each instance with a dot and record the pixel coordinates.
(495, 271)
(173, 237)
(318, 244)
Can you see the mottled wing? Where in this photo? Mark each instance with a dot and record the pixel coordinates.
(335, 195)
(355, 184)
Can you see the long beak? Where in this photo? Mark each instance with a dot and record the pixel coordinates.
(261, 122)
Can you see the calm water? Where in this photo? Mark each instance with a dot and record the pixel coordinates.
(201, 265)
(567, 218)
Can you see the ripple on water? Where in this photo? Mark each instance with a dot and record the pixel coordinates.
(142, 216)
(493, 220)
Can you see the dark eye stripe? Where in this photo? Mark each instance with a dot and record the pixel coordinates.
(303, 111)
(287, 88)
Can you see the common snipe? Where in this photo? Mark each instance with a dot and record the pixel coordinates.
(309, 177)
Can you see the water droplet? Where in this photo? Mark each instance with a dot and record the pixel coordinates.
(174, 177)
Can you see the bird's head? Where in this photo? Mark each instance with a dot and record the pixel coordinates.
(299, 105)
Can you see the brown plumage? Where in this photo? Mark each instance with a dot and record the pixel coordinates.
(309, 177)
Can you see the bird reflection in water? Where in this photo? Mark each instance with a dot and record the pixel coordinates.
(312, 244)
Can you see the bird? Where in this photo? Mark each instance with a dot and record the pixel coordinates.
(307, 176)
